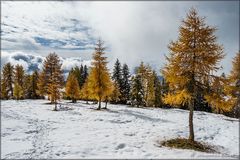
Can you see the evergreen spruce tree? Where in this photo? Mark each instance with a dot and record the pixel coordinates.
(72, 88)
(137, 93)
(118, 79)
(100, 82)
(51, 78)
(192, 58)
(117, 72)
(7, 80)
(85, 73)
(126, 84)
(81, 76)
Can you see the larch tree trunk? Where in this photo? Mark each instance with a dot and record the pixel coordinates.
(87, 101)
(106, 104)
(99, 104)
(191, 130)
(55, 106)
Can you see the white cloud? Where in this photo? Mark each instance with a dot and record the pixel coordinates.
(28, 61)
(133, 31)
(31, 62)
(68, 63)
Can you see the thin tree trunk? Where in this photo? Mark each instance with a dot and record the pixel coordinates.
(193, 90)
(106, 104)
(99, 104)
(11, 90)
(54, 109)
(74, 100)
(51, 99)
(191, 131)
(106, 101)
(55, 106)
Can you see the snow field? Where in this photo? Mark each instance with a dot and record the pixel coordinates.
(30, 129)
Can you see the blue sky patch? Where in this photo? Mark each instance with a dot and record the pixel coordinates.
(49, 42)
(77, 44)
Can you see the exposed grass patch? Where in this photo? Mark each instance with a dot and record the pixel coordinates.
(183, 143)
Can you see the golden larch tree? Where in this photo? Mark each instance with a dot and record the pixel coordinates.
(151, 90)
(115, 96)
(235, 84)
(235, 72)
(220, 97)
(17, 91)
(51, 78)
(193, 56)
(144, 73)
(41, 84)
(72, 88)
(7, 80)
(85, 93)
(19, 74)
(100, 83)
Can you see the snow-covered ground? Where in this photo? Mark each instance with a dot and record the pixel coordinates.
(30, 129)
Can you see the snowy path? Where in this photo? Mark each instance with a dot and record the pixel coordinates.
(31, 130)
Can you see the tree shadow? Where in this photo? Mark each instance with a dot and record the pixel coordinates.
(144, 117)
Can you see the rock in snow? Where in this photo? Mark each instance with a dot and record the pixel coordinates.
(30, 129)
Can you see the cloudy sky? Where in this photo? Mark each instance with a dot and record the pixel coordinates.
(133, 31)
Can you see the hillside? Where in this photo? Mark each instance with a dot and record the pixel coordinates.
(30, 129)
